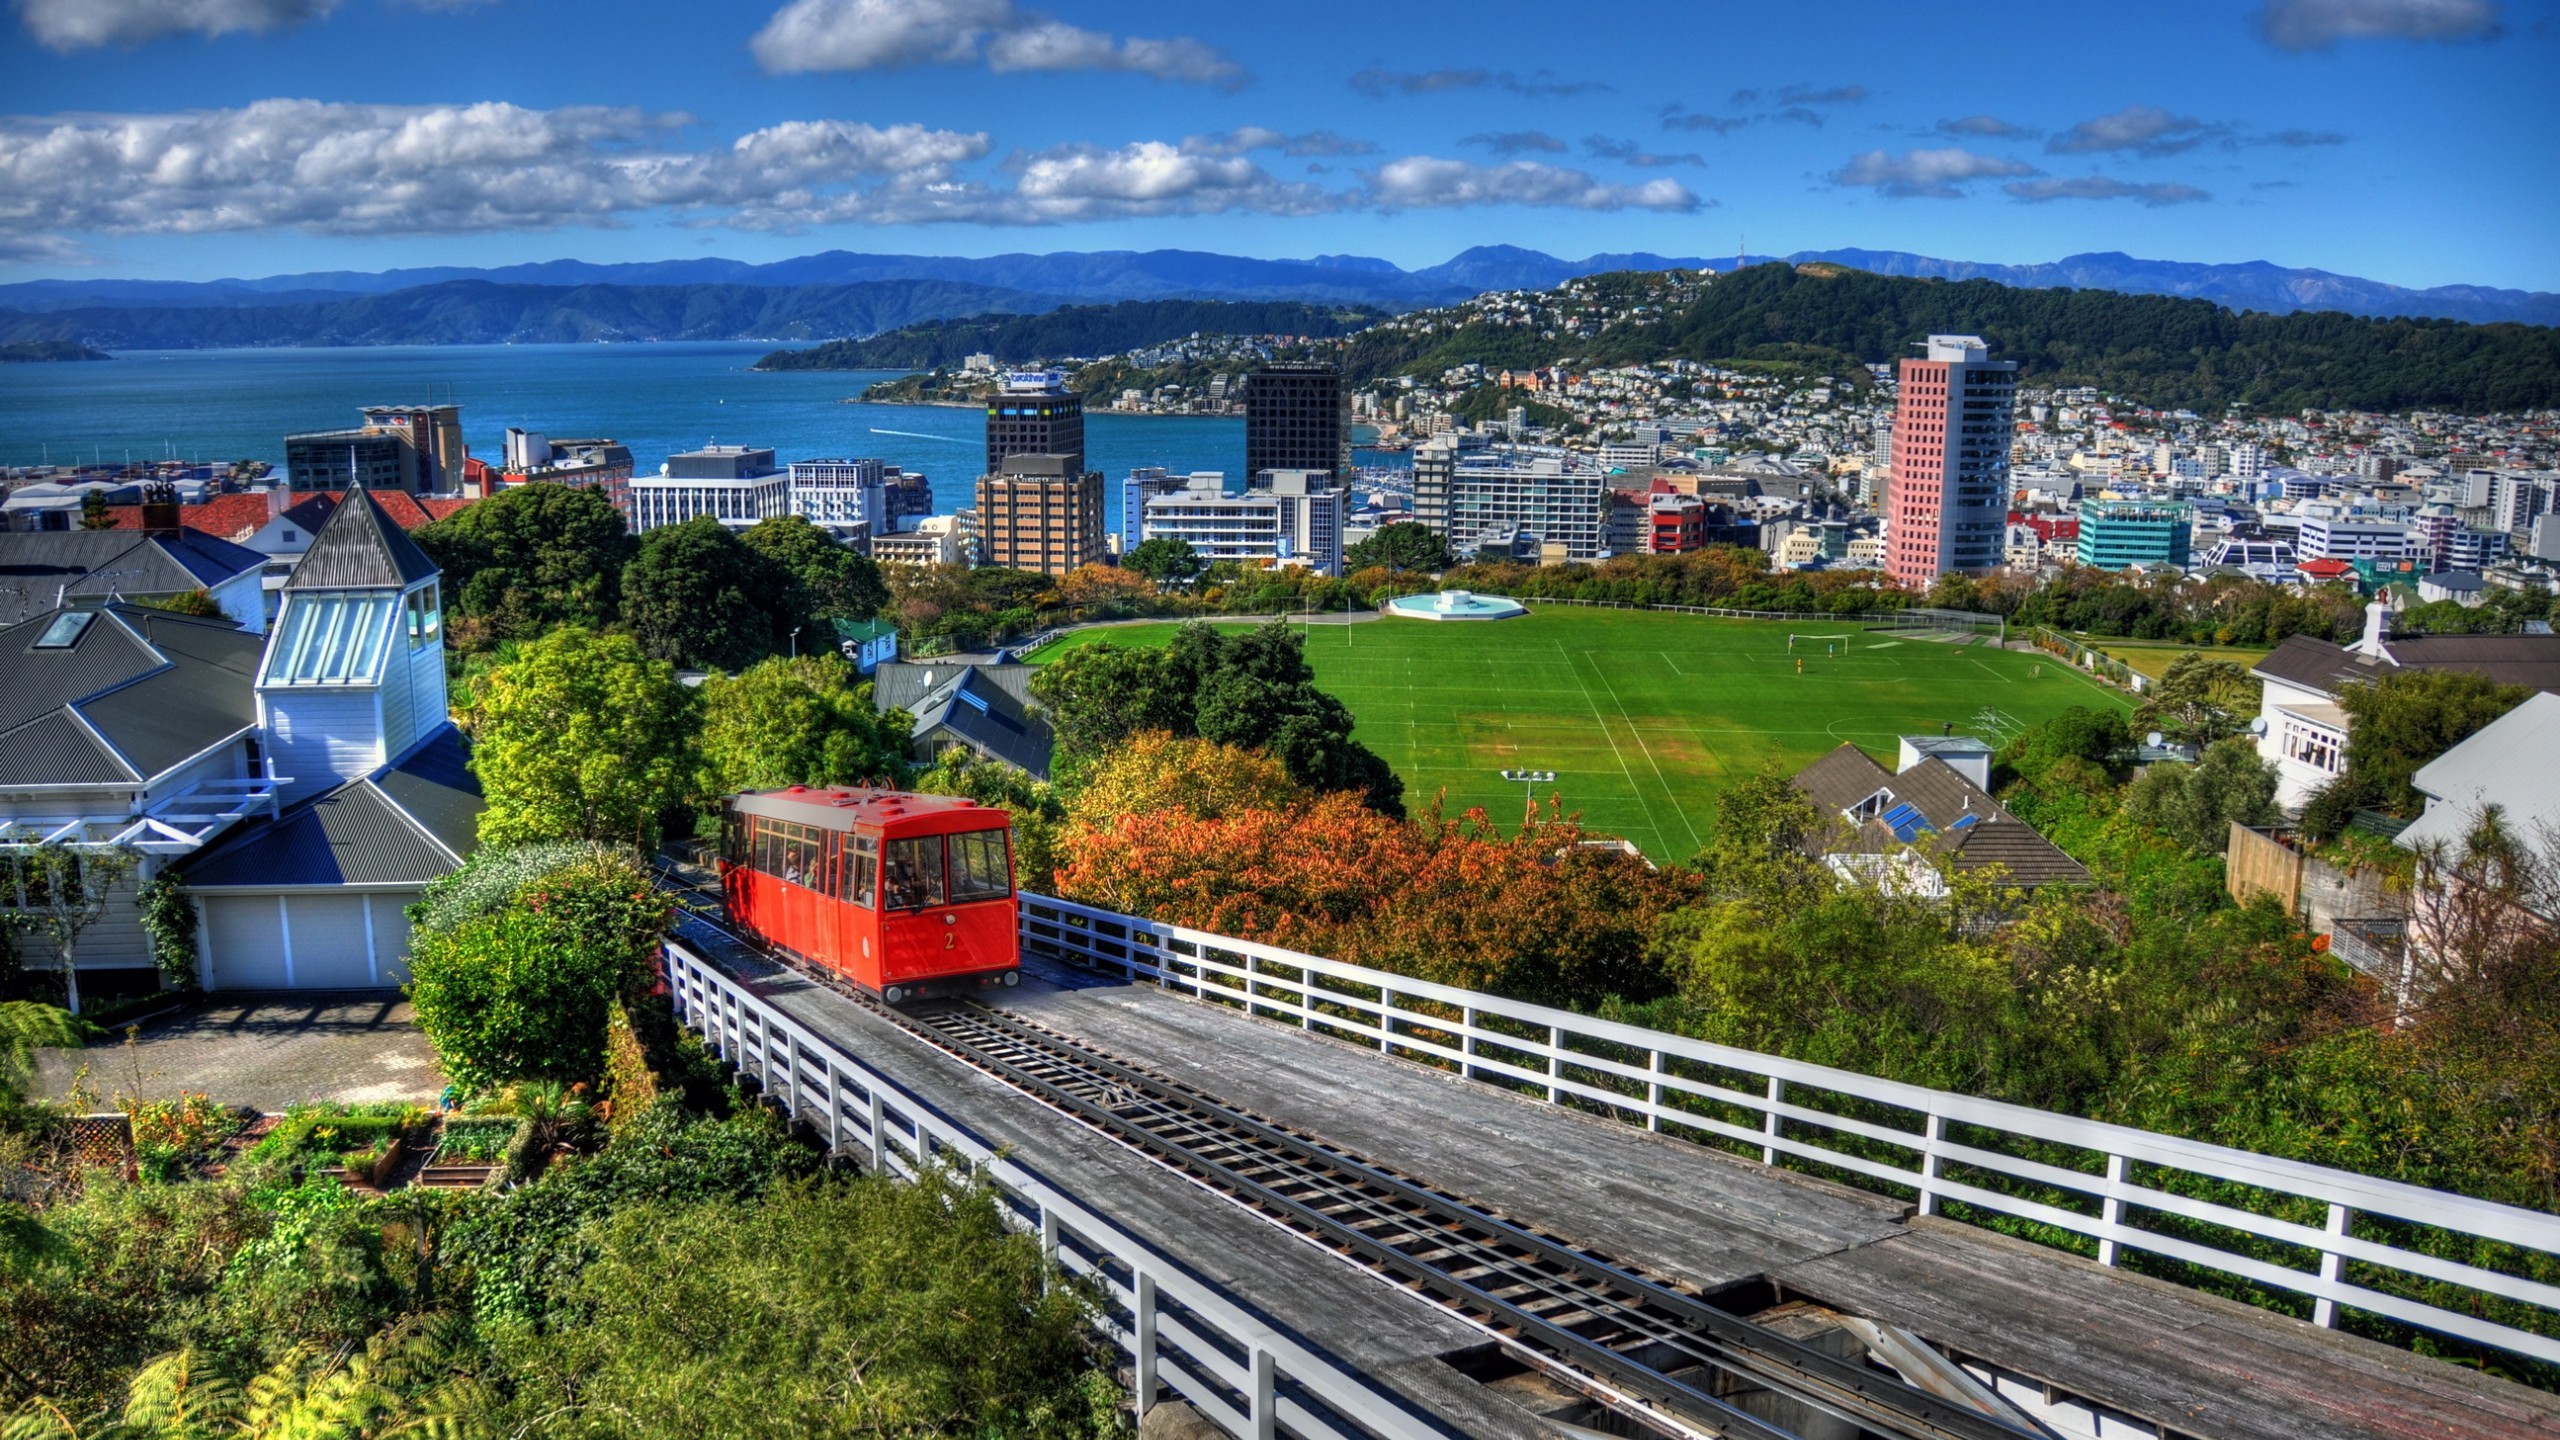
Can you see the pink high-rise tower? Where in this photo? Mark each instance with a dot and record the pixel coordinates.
(1946, 505)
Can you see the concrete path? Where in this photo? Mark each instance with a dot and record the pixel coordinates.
(266, 1051)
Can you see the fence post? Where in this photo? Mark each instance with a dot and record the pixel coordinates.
(1653, 1091)
(1555, 1061)
(2333, 1267)
(1048, 1247)
(1386, 1027)
(1252, 980)
(1467, 1043)
(1144, 1342)
(879, 1128)
(1932, 1135)
(2113, 1212)
(1769, 1125)
(1266, 1396)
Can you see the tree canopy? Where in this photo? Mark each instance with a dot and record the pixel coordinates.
(784, 722)
(1165, 559)
(579, 736)
(1400, 546)
(841, 582)
(528, 560)
(699, 596)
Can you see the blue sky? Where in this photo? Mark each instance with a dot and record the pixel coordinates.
(2414, 141)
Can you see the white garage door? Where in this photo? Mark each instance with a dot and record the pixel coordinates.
(391, 935)
(329, 942)
(245, 936)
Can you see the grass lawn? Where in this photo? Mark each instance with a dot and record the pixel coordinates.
(1645, 717)
(2151, 658)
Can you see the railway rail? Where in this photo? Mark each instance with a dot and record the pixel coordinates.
(1662, 1359)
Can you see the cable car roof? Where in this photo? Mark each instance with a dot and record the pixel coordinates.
(846, 807)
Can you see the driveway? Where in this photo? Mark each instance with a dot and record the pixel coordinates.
(266, 1051)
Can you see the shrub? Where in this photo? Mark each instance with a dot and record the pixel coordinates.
(477, 1139)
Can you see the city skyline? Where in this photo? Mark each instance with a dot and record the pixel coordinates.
(195, 139)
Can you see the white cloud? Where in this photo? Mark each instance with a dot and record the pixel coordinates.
(1938, 174)
(2321, 24)
(2144, 129)
(2100, 187)
(1258, 137)
(82, 24)
(1420, 181)
(385, 169)
(809, 35)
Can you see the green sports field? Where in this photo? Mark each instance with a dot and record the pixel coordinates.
(1645, 716)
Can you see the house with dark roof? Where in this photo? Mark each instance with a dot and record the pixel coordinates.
(279, 523)
(2302, 730)
(43, 569)
(304, 785)
(1893, 822)
(985, 708)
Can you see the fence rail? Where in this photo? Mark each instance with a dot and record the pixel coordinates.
(2091, 659)
(1182, 1333)
(1947, 1150)
(1912, 617)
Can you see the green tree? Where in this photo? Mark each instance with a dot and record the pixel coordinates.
(845, 1308)
(1166, 559)
(25, 1028)
(798, 722)
(2199, 803)
(525, 992)
(2408, 717)
(581, 737)
(841, 582)
(1403, 545)
(58, 891)
(2198, 700)
(698, 596)
(93, 511)
(1038, 810)
(199, 603)
(530, 559)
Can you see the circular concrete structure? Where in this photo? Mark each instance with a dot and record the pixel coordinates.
(1456, 605)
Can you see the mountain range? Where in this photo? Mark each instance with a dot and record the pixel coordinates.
(841, 293)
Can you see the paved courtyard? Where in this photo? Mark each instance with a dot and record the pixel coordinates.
(268, 1052)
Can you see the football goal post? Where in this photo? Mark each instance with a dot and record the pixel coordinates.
(1818, 644)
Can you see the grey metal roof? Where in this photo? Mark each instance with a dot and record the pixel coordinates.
(138, 691)
(358, 548)
(356, 834)
(1973, 830)
(39, 567)
(434, 784)
(984, 707)
(2530, 660)
(904, 684)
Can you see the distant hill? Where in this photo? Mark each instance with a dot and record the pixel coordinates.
(476, 312)
(2160, 350)
(26, 351)
(1081, 331)
(1111, 275)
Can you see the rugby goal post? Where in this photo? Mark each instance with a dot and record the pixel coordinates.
(1810, 641)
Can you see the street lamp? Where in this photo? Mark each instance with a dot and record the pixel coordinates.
(795, 642)
(1529, 781)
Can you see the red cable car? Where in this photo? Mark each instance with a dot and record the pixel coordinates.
(904, 895)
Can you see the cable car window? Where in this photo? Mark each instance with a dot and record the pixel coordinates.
(768, 846)
(978, 868)
(914, 877)
(861, 872)
(800, 855)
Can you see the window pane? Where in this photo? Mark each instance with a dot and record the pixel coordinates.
(978, 869)
(915, 872)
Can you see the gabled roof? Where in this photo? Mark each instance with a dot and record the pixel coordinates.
(407, 823)
(359, 548)
(135, 693)
(984, 707)
(1932, 801)
(2506, 763)
(233, 517)
(2312, 664)
(40, 568)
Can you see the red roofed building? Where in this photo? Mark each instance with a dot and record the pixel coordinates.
(2321, 572)
(279, 523)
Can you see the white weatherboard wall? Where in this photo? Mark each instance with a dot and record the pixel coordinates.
(319, 738)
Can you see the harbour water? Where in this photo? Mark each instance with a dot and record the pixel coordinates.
(656, 399)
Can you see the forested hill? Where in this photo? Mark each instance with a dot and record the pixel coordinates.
(1078, 330)
(2157, 350)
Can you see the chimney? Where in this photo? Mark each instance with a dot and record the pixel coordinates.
(160, 511)
(2377, 628)
(279, 500)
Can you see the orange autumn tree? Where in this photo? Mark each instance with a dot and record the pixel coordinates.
(1532, 913)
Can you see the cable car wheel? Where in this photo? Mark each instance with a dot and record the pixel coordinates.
(895, 994)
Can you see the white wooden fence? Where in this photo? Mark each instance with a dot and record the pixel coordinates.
(1180, 1331)
(1941, 1147)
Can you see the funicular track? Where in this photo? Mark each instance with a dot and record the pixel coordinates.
(1660, 1358)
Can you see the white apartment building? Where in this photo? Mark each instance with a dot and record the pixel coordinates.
(935, 540)
(1149, 481)
(1294, 518)
(843, 497)
(2330, 533)
(1472, 497)
(736, 485)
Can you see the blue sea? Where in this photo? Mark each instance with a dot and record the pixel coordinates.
(229, 405)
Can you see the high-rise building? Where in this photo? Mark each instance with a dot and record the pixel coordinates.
(2115, 534)
(1145, 483)
(847, 498)
(413, 448)
(1034, 413)
(1288, 517)
(434, 432)
(1041, 512)
(1946, 506)
(1297, 416)
(1478, 497)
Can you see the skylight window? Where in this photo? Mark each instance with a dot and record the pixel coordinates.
(66, 630)
(331, 638)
